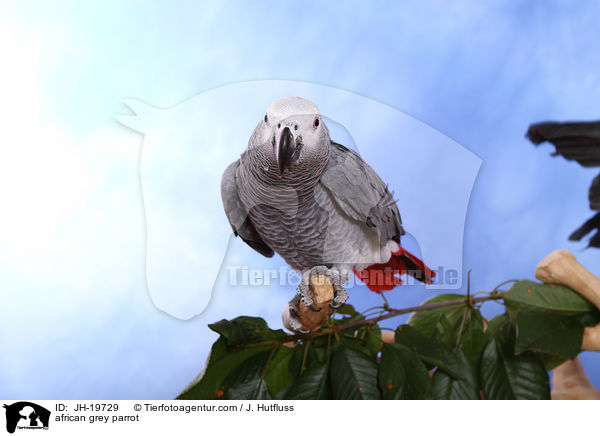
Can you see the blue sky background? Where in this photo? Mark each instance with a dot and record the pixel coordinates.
(76, 319)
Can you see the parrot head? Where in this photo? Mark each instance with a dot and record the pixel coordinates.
(294, 136)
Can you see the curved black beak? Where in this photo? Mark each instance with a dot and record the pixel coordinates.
(286, 149)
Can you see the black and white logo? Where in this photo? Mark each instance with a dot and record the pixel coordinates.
(26, 415)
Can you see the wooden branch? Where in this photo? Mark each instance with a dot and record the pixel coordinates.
(430, 306)
(389, 337)
(570, 382)
(591, 339)
(321, 291)
(390, 314)
(562, 268)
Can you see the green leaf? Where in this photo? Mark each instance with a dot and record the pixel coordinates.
(498, 324)
(221, 363)
(550, 362)
(446, 332)
(391, 376)
(246, 382)
(502, 328)
(350, 314)
(245, 329)
(253, 389)
(430, 350)
(313, 351)
(526, 295)
(507, 377)
(366, 339)
(353, 375)
(278, 375)
(347, 309)
(548, 333)
(313, 384)
(589, 319)
(425, 321)
(402, 375)
(372, 338)
(473, 338)
(445, 387)
(451, 323)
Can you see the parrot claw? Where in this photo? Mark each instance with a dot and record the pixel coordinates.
(339, 293)
(340, 296)
(297, 327)
(303, 294)
(293, 321)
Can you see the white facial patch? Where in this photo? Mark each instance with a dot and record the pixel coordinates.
(290, 107)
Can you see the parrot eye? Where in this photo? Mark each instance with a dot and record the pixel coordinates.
(316, 122)
(295, 126)
(266, 119)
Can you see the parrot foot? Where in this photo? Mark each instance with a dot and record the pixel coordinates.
(293, 320)
(303, 291)
(339, 293)
(340, 296)
(320, 287)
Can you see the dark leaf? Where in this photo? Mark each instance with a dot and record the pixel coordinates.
(402, 375)
(391, 376)
(278, 375)
(313, 384)
(453, 325)
(502, 328)
(309, 353)
(507, 377)
(253, 389)
(366, 339)
(445, 331)
(425, 321)
(446, 387)
(245, 329)
(220, 364)
(353, 375)
(472, 337)
(350, 314)
(430, 350)
(498, 324)
(550, 362)
(246, 381)
(548, 333)
(528, 296)
(372, 338)
(589, 319)
(347, 309)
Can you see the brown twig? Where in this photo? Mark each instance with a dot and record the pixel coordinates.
(395, 312)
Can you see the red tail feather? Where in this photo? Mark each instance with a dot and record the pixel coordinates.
(381, 277)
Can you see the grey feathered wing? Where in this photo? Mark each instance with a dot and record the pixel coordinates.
(361, 194)
(237, 214)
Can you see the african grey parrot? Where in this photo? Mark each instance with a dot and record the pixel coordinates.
(316, 203)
